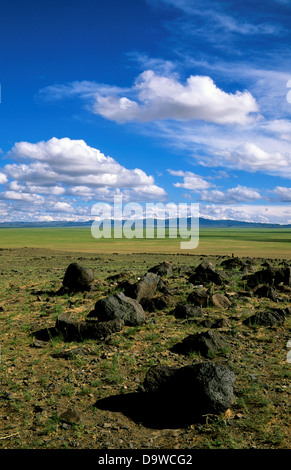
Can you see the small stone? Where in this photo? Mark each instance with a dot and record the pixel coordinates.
(70, 416)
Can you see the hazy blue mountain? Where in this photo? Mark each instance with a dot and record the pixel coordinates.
(203, 223)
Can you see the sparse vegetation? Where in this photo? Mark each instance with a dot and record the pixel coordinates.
(36, 387)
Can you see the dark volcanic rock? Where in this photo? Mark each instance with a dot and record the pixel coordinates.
(145, 288)
(157, 377)
(205, 273)
(70, 416)
(163, 269)
(270, 276)
(73, 330)
(46, 334)
(207, 343)
(263, 290)
(77, 278)
(199, 297)
(264, 276)
(159, 302)
(233, 263)
(192, 391)
(118, 306)
(187, 310)
(270, 317)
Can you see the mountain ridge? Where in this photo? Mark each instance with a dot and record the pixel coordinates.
(203, 223)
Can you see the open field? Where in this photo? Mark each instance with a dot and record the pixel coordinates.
(270, 243)
(39, 382)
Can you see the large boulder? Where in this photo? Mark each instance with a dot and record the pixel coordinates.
(187, 310)
(264, 290)
(270, 276)
(233, 263)
(220, 301)
(118, 306)
(206, 343)
(205, 273)
(78, 278)
(271, 317)
(199, 297)
(192, 391)
(145, 288)
(163, 269)
(73, 330)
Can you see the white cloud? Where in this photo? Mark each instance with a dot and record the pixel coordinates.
(3, 178)
(231, 195)
(63, 207)
(58, 178)
(281, 127)
(61, 163)
(283, 193)
(20, 196)
(197, 184)
(251, 157)
(273, 214)
(160, 97)
(191, 181)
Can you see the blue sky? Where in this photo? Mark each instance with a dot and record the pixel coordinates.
(157, 100)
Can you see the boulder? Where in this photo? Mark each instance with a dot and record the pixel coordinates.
(73, 330)
(192, 391)
(264, 290)
(145, 288)
(206, 343)
(271, 317)
(163, 269)
(187, 310)
(118, 307)
(45, 334)
(159, 302)
(220, 301)
(199, 297)
(78, 278)
(205, 273)
(270, 276)
(233, 263)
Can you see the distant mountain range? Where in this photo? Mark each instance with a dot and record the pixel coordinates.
(203, 223)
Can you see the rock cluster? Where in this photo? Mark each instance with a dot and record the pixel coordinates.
(196, 389)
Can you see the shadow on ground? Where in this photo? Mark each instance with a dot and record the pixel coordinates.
(149, 409)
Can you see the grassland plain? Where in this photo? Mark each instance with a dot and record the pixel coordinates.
(38, 387)
(271, 243)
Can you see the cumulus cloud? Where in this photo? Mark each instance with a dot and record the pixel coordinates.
(59, 177)
(3, 178)
(231, 195)
(282, 193)
(71, 166)
(191, 181)
(161, 97)
(273, 214)
(21, 196)
(281, 127)
(199, 185)
(251, 157)
(63, 207)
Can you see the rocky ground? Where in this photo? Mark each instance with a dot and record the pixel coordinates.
(143, 351)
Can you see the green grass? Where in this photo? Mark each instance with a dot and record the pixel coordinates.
(271, 243)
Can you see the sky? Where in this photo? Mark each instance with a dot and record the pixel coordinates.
(157, 101)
